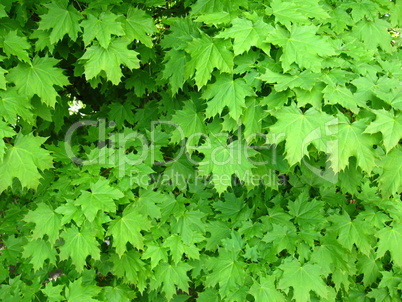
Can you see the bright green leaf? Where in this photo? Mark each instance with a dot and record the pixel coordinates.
(17, 46)
(38, 78)
(61, 20)
(101, 28)
(98, 59)
(128, 229)
(78, 245)
(303, 279)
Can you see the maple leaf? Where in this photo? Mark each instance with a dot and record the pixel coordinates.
(189, 120)
(175, 64)
(352, 232)
(310, 126)
(361, 149)
(227, 92)
(138, 25)
(169, 276)
(223, 160)
(47, 222)
(390, 239)
(373, 34)
(23, 161)
(62, 19)
(53, 293)
(246, 34)
(76, 292)
(101, 197)
(78, 245)
(121, 113)
(303, 278)
(109, 60)
(207, 54)
(131, 267)
(156, 253)
(227, 271)
(265, 290)
(252, 119)
(389, 124)
(307, 212)
(305, 80)
(391, 177)
(188, 223)
(283, 237)
(16, 45)
(343, 96)
(302, 46)
(39, 250)
(101, 28)
(38, 77)
(128, 229)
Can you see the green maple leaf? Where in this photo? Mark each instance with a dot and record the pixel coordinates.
(47, 222)
(283, 237)
(370, 267)
(38, 78)
(223, 160)
(169, 276)
(128, 229)
(119, 293)
(78, 245)
(334, 94)
(227, 271)
(139, 25)
(390, 125)
(299, 12)
(101, 28)
(109, 60)
(309, 127)
(302, 46)
(391, 177)
(53, 293)
(352, 232)
(187, 223)
(307, 212)
(62, 19)
(16, 45)
(189, 120)
(101, 197)
(175, 64)
(227, 92)
(390, 239)
(246, 34)
(303, 279)
(23, 161)
(176, 247)
(252, 119)
(374, 33)
(156, 253)
(207, 54)
(132, 268)
(76, 292)
(361, 149)
(121, 113)
(265, 290)
(39, 250)
(305, 80)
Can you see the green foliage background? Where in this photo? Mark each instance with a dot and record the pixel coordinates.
(312, 88)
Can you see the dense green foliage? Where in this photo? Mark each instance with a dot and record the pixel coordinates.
(200, 150)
